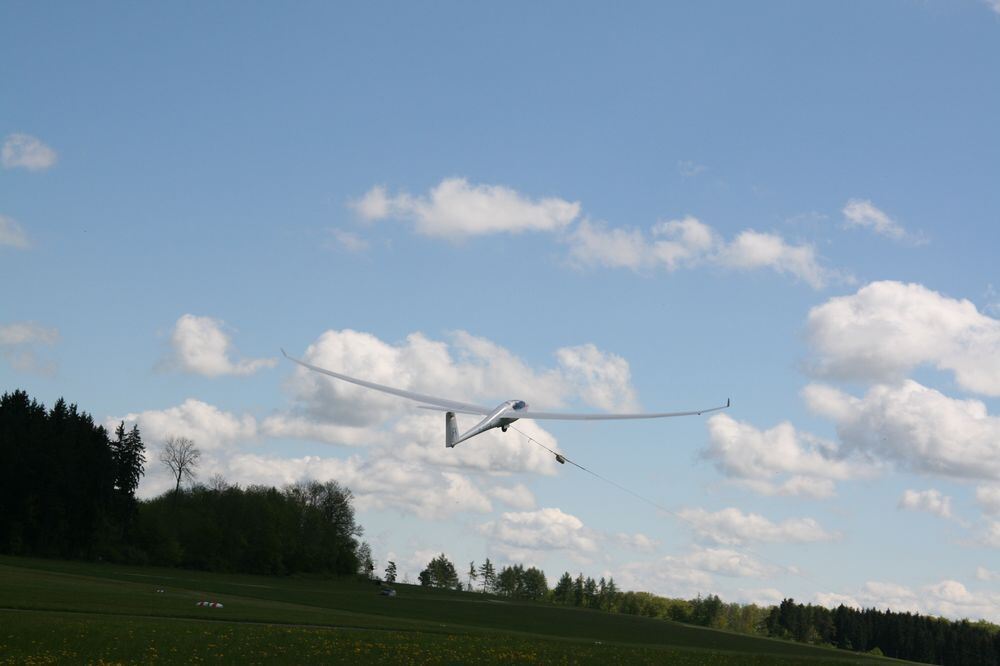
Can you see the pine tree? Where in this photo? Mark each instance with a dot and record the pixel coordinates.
(590, 593)
(488, 574)
(611, 596)
(390, 572)
(442, 573)
(563, 592)
(578, 586)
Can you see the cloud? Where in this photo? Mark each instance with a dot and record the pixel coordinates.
(990, 534)
(988, 498)
(378, 483)
(946, 598)
(982, 573)
(731, 526)
(604, 379)
(517, 496)
(454, 209)
(690, 169)
(26, 333)
(861, 213)
(467, 370)
(889, 328)
(915, 427)
(675, 244)
(638, 541)
(752, 250)
(691, 573)
(992, 296)
(724, 562)
(201, 346)
(18, 341)
(348, 241)
(764, 596)
(931, 501)
(778, 461)
(24, 150)
(12, 234)
(993, 4)
(544, 529)
(290, 425)
(208, 426)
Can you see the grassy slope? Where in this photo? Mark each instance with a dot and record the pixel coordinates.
(73, 610)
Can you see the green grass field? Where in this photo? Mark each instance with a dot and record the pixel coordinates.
(73, 612)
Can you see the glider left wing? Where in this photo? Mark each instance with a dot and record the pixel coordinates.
(441, 403)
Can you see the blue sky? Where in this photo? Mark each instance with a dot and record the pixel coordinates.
(794, 205)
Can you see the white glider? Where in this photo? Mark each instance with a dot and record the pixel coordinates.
(500, 416)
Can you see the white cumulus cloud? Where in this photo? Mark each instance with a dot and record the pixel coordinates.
(754, 249)
(201, 346)
(454, 208)
(675, 244)
(543, 529)
(24, 150)
(915, 427)
(206, 425)
(638, 541)
(730, 526)
(378, 483)
(780, 460)
(931, 501)
(290, 425)
(604, 379)
(862, 213)
(470, 369)
(517, 496)
(691, 573)
(889, 328)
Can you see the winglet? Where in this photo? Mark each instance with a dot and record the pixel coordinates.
(727, 399)
(285, 353)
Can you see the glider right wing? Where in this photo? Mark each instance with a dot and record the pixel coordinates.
(433, 402)
(528, 414)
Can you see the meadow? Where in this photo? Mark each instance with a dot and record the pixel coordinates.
(55, 612)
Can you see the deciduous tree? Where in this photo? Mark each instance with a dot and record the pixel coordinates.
(181, 457)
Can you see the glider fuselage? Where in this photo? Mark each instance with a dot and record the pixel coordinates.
(505, 413)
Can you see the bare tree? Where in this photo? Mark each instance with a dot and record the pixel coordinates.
(218, 483)
(181, 456)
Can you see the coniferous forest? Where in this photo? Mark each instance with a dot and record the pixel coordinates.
(67, 489)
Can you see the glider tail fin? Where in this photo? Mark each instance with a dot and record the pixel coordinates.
(450, 430)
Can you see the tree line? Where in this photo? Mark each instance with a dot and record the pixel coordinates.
(901, 635)
(67, 489)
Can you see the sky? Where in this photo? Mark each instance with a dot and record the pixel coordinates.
(792, 205)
